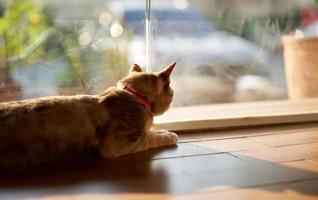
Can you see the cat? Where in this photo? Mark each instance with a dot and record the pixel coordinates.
(117, 122)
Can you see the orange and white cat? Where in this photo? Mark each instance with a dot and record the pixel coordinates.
(117, 122)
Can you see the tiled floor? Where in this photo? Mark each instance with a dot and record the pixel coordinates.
(278, 162)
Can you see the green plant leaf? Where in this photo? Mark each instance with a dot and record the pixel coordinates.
(3, 25)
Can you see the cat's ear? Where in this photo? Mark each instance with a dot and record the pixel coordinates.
(167, 71)
(135, 68)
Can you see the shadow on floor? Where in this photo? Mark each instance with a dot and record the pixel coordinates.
(171, 171)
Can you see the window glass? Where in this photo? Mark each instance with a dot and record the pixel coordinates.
(226, 50)
(55, 47)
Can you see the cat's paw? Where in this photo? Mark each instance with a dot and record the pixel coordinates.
(173, 138)
(161, 131)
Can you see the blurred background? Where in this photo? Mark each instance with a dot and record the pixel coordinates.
(226, 50)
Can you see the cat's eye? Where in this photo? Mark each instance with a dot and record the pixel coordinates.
(167, 86)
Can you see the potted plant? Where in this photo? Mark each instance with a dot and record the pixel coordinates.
(301, 62)
(23, 27)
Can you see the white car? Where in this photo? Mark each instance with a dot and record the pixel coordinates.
(183, 35)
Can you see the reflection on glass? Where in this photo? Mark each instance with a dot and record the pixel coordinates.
(226, 51)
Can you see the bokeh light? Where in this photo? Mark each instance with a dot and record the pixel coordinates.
(116, 30)
(84, 39)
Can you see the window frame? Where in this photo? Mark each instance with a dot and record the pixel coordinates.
(221, 116)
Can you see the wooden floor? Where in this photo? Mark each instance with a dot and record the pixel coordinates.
(277, 162)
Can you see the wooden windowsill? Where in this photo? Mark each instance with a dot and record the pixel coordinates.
(238, 115)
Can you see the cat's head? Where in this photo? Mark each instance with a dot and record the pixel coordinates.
(154, 86)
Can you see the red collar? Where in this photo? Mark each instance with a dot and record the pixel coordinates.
(141, 97)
